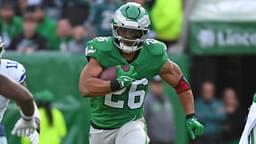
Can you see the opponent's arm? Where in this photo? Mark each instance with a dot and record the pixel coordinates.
(12, 90)
(90, 84)
(36, 113)
(19, 94)
(172, 74)
(21, 126)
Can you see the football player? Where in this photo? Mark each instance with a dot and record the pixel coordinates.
(16, 72)
(249, 133)
(117, 105)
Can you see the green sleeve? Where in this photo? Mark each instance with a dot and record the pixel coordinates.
(164, 56)
(91, 50)
(98, 47)
(159, 51)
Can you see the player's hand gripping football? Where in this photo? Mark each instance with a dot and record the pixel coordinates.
(25, 126)
(125, 78)
(194, 127)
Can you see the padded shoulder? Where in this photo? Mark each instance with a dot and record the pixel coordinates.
(14, 70)
(101, 43)
(155, 47)
(98, 48)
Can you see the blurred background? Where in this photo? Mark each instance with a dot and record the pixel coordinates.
(213, 41)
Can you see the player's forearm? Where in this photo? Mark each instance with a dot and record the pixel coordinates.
(19, 94)
(25, 100)
(187, 101)
(27, 107)
(94, 87)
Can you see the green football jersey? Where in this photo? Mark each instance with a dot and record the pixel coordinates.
(117, 108)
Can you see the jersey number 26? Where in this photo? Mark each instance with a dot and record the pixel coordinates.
(132, 94)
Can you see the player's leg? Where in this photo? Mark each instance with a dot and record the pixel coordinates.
(3, 139)
(99, 136)
(133, 133)
(252, 136)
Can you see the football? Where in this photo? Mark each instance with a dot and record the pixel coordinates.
(110, 73)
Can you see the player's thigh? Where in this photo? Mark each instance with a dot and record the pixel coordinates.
(97, 136)
(133, 137)
(132, 133)
(3, 140)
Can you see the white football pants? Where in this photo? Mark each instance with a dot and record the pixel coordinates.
(132, 132)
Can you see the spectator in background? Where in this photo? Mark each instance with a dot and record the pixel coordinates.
(28, 41)
(159, 114)
(210, 112)
(76, 11)
(46, 27)
(10, 25)
(22, 5)
(79, 40)
(64, 33)
(142, 2)
(52, 122)
(52, 9)
(33, 2)
(233, 125)
(167, 18)
(101, 16)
